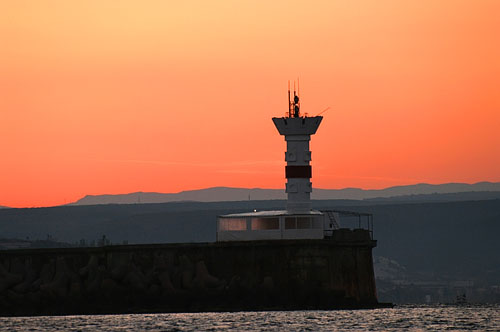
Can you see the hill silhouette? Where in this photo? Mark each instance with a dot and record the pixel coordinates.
(221, 194)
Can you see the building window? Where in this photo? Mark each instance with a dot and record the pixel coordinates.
(303, 222)
(232, 224)
(290, 223)
(259, 224)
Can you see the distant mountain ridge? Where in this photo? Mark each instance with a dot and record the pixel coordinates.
(220, 194)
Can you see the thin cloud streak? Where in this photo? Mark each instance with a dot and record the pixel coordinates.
(177, 163)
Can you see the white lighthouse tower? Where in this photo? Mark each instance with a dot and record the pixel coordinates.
(298, 221)
(297, 130)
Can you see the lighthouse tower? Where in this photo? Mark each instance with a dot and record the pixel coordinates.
(297, 130)
(298, 221)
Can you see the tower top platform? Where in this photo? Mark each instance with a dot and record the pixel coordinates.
(297, 126)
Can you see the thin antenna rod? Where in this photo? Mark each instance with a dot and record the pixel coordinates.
(298, 93)
(289, 101)
(323, 111)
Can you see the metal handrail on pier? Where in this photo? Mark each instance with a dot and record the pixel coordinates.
(361, 216)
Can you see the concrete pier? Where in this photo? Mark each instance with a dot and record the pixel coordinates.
(232, 276)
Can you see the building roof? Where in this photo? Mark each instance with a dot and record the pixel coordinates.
(275, 213)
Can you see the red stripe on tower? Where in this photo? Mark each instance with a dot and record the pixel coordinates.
(304, 172)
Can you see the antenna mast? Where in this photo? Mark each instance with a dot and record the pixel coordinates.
(294, 104)
(289, 101)
(298, 87)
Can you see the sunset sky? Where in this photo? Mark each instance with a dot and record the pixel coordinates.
(109, 97)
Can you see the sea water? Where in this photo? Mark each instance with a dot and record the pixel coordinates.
(399, 318)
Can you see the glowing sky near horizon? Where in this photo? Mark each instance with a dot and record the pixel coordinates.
(108, 97)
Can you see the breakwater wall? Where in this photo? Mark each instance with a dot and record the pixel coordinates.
(231, 276)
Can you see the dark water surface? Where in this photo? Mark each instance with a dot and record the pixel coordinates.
(401, 318)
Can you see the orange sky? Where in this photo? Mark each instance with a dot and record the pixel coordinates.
(121, 96)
